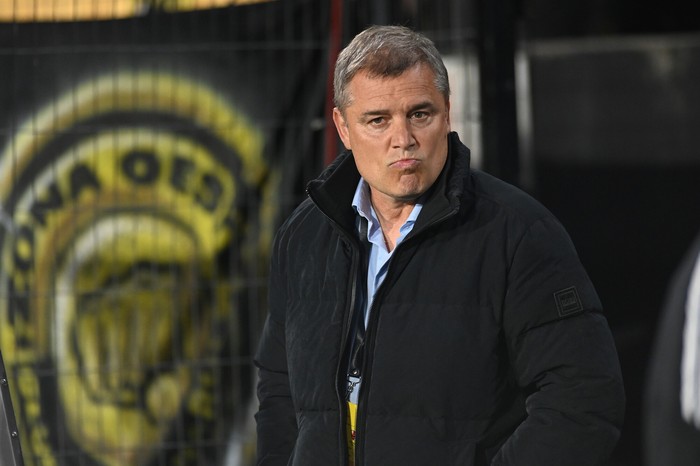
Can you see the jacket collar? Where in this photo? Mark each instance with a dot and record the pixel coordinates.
(333, 190)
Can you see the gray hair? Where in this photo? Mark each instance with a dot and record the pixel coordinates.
(386, 51)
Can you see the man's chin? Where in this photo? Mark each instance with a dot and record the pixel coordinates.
(409, 197)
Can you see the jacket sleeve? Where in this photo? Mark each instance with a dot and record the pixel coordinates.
(563, 356)
(275, 419)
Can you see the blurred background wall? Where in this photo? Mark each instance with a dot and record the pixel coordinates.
(149, 149)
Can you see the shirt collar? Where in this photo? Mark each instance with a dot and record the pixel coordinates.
(361, 201)
(363, 205)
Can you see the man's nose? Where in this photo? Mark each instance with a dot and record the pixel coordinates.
(402, 137)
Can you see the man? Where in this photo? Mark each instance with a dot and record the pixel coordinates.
(422, 313)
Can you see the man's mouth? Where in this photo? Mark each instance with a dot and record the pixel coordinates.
(404, 163)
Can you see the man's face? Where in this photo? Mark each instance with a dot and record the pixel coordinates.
(397, 129)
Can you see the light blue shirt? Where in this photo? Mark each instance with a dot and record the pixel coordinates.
(379, 255)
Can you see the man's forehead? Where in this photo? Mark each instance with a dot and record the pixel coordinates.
(419, 69)
(413, 87)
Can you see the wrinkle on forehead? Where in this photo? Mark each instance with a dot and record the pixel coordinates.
(378, 94)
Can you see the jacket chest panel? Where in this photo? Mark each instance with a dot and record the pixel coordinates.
(418, 344)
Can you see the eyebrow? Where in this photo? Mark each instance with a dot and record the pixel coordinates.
(426, 105)
(372, 113)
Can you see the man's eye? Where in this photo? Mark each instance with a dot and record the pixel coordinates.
(419, 115)
(376, 121)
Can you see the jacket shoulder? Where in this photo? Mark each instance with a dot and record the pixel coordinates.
(305, 217)
(507, 198)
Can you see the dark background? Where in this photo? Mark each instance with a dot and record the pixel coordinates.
(615, 156)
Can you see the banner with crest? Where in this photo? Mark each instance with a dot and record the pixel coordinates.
(144, 164)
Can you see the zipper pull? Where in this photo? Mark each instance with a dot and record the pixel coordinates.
(352, 383)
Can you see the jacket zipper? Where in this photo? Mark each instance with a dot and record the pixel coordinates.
(350, 312)
(339, 378)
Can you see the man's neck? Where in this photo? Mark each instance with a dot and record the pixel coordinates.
(392, 214)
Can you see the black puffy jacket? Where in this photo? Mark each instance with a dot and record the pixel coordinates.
(485, 345)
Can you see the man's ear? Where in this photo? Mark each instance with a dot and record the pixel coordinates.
(342, 127)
